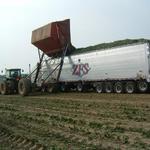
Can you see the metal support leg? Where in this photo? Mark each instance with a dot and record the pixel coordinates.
(38, 68)
(62, 62)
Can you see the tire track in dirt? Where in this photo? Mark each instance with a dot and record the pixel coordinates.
(17, 142)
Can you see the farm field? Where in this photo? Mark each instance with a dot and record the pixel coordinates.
(75, 121)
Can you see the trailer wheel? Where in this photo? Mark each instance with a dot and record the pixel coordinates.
(130, 87)
(3, 88)
(52, 87)
(24, 87)
(108, 87)
(118, 87)
(63, 87)
(99, 87)
(79, 87)
(142, 86)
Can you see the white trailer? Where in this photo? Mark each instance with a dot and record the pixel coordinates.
(117, 69)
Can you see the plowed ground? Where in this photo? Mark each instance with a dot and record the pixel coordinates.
(75, 121)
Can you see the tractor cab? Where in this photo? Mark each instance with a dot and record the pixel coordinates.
(10, 84)
(14, 74)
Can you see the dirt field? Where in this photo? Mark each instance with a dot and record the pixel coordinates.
(75, 121)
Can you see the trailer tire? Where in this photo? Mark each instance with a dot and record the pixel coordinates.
(108, 87)
(99, 87)
(24, 87)
(130, 87)
(52, 87)
(142, 86)
(118, 87)
(80, 87)
(63, 87)
(3, 88)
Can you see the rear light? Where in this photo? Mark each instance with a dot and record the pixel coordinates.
(17, 78)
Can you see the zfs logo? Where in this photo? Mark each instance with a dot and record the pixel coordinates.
(81, 69)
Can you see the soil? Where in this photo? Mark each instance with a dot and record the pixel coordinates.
(75, 121)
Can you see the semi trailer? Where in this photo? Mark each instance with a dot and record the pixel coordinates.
(119, 69)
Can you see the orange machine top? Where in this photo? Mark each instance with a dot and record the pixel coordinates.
(52, 38)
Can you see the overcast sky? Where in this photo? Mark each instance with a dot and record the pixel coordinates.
(92, 22)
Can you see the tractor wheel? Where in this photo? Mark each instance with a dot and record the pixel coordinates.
(3, 88)
(24, 87)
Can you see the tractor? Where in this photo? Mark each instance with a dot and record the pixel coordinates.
(9, 84)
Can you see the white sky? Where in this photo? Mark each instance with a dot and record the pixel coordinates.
(92, 22)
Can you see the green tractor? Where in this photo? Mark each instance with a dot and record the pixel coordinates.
(9, 84)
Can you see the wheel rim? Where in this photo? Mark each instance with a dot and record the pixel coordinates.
(118, 88)
(99, 88)
(130, 88)
(50, 89)
(63, 88)
(79, 87)
(108, 88)
(143, 86)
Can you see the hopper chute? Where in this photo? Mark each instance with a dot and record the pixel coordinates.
(52, 38)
